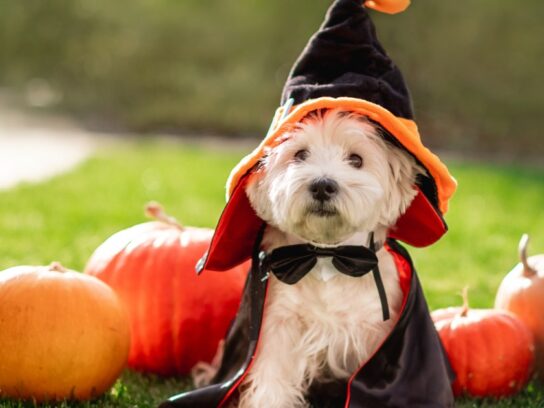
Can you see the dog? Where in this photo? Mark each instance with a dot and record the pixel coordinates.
(332, 180)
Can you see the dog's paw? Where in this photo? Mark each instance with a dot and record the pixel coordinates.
(203, 373)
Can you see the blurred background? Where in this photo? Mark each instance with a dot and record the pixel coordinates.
(474, 66)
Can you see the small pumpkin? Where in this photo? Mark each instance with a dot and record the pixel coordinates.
(491, 351)
(522, 293)
(177, 318)
(63, 334)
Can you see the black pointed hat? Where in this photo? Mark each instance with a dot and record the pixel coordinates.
(343, 67)
(345, 59)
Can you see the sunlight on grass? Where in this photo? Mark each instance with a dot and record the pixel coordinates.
(66, 218)
(492, 208)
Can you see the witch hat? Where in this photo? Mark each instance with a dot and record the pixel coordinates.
(343, 67)
(345, 59)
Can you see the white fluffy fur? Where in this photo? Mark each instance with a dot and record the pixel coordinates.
(370, 198)
(327, 324)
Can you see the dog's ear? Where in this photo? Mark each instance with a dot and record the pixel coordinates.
(402, 178)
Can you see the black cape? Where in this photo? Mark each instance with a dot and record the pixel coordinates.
(410, 369)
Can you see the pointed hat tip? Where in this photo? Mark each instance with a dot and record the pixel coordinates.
(388, 6)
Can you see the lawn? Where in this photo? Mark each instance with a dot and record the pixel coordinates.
(66, 218)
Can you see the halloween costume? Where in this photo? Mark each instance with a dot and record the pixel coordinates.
(343, 66)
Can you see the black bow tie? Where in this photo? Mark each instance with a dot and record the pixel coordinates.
(291, 263)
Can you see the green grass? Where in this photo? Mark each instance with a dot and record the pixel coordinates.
(66, 218)
(492, 208)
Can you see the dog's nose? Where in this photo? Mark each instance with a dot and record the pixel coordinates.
(324, 189)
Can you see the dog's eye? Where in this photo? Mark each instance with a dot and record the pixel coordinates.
(302, 155)
(355, 161)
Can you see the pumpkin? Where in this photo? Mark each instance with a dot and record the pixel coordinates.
(490, 351)
(522, 293)
(177, 317)
(63, 335)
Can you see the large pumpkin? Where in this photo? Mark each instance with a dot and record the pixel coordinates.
(491, 351)
(522, 293)
(63, 334)
(177, 317)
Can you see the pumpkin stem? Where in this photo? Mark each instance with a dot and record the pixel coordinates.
(465, 309)
(528, 270)
(154, 210)
(56, 267)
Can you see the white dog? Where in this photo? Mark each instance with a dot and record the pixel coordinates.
(332, 181)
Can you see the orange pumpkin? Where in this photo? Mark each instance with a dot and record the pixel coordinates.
(491, 351)
(177, 317)
(522, 293)
(63, 334)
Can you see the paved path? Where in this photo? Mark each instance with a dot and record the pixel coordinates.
(34, 148)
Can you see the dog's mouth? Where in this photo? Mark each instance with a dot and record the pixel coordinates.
(322, 210)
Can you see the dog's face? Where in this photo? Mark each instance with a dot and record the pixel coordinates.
(332, 177)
